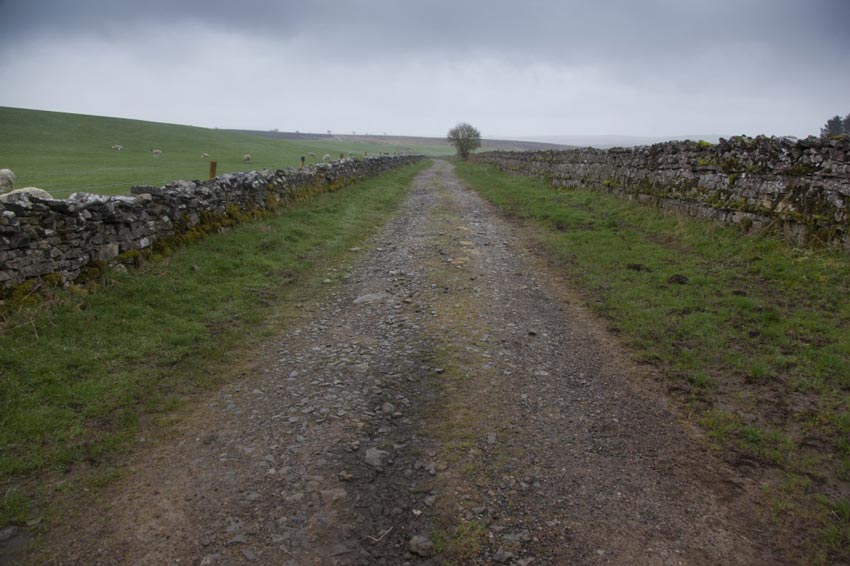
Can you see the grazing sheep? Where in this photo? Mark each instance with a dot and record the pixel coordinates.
(246, 157)
(156, 153)
(118, 147)
(7, 180)
(205, 155)
(30, 191)
(311, 154)
(326, 157)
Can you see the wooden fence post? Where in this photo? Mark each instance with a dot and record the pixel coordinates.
(302, 162)
(213, 166)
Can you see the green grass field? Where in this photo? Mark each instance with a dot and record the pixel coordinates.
(79, 367)
(750, 333)
(66, 153)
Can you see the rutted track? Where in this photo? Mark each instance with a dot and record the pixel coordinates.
(444, 389)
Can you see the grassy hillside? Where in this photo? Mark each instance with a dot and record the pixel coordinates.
(65, 153)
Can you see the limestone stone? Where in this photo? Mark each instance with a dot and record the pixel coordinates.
(39, 236)
(802, 186)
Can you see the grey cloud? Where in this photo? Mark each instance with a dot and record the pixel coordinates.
(618, 66)
(742, 40)
(540, 28)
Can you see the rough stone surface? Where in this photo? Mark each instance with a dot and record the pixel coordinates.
(42, 236)
(802, 186)
(8, 532)
(376, 458)
(421, 546)
(370, 298)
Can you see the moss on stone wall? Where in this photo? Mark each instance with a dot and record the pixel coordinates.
(38, 238)
(803, 182)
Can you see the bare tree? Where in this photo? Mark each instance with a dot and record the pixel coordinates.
(465, 138)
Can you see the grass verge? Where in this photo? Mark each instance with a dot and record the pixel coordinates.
(80, 367)
(748, 332)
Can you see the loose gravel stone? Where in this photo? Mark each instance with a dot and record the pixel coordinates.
(376, 458)
(421, 546)
(370, 298)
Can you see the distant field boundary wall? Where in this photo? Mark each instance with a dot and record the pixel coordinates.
(58, 241)
(799, 186)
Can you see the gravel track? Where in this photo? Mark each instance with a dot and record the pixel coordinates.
(446, 402)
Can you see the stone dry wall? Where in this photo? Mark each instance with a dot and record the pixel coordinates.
(58, 239)
(800, 186)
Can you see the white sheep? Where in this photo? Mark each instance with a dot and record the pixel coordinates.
(205, 155)
(311, 154)
(30, 191)
(156, 153)
(118, 147)
(246, 157)
(326, 157)
(7, 180)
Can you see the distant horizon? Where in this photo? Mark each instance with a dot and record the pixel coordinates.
(557, 139)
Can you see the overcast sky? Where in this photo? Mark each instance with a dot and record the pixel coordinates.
(521, 68)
